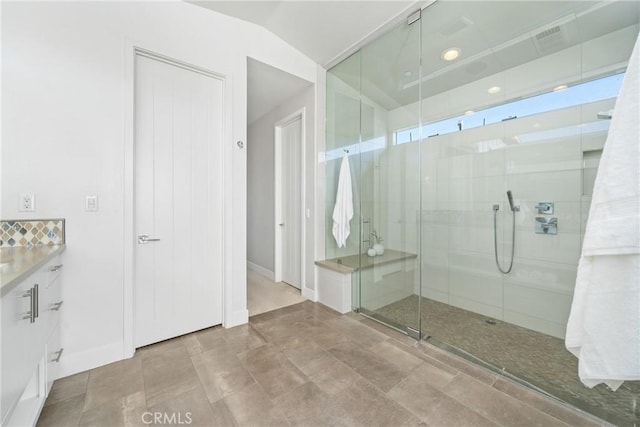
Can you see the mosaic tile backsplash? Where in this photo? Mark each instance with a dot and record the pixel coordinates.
(36, 232)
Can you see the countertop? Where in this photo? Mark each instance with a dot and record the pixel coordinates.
(351, 263)
(17, 263)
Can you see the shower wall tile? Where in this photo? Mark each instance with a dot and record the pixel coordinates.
(435, 237)
(569, 215)
(472, 229)
(555, 155)
(396, 223)
(548, 276)
(477, 189)
(435, 294)
(430, 182)
(443, 190)
(469, 284)
(475, 306)
(479, 240)
(548, 186)
(541, 325)
(535, 302)
(435, 276)
(477, 163)
(563, 247)
(475, 276)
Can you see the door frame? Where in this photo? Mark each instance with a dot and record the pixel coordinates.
(132, 49)
(277, 252)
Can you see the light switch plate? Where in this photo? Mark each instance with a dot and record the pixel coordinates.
(91, 203)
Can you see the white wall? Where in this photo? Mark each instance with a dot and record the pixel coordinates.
(261, 177)
(66, 122)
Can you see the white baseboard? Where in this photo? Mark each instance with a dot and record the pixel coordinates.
(309, 294)
(72, 363)
(238, 317)
(261, 270)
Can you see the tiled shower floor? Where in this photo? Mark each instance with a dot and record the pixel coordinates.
(536, 358)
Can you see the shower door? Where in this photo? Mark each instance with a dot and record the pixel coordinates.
(389, 273)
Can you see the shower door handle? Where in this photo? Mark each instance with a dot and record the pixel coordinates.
(368, 239)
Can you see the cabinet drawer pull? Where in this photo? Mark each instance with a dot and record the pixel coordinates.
(56, 267)
(56, 306)
(59, 355)
(36, 304)
(31, 313)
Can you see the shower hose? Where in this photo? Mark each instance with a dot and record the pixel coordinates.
(495, 240)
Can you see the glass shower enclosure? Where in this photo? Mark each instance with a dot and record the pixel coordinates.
(441, 118)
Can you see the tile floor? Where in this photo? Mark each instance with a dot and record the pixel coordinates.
(302, 365)
(263, 294)
(539, 359)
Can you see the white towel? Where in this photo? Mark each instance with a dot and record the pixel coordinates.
(603, 330)
(343, 210)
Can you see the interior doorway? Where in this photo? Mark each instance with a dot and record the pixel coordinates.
(178, 199)
(289, 148)
(280, 113)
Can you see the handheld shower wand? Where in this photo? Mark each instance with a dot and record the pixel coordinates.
(514, 209)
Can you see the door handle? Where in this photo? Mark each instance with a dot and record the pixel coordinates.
(281, 224)
(144, 238)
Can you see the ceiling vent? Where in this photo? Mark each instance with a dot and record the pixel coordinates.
(550, 40)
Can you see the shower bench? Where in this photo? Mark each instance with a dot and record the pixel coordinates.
(336, 276)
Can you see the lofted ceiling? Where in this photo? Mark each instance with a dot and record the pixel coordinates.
(268, 87)
(493, 36)
(322, 30)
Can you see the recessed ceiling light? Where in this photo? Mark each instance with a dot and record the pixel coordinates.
(450, 54)
(559, 88)
(494, 89)
(408, 73)
(469, 112)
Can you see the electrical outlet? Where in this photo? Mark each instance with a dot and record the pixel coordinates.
(27, 203)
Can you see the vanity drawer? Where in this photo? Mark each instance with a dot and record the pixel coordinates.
(52, 304)
(54, 355)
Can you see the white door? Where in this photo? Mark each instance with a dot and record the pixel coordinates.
(291, 201)
(178, 200)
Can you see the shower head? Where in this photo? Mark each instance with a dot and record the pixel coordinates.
(511, 205)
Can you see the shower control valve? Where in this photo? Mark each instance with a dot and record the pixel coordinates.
(544, 208)
(546, 225)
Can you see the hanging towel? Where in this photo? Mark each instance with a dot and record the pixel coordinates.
(343, 210)
(603, 330)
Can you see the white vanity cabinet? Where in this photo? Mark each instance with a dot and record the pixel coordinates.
(30, 343)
